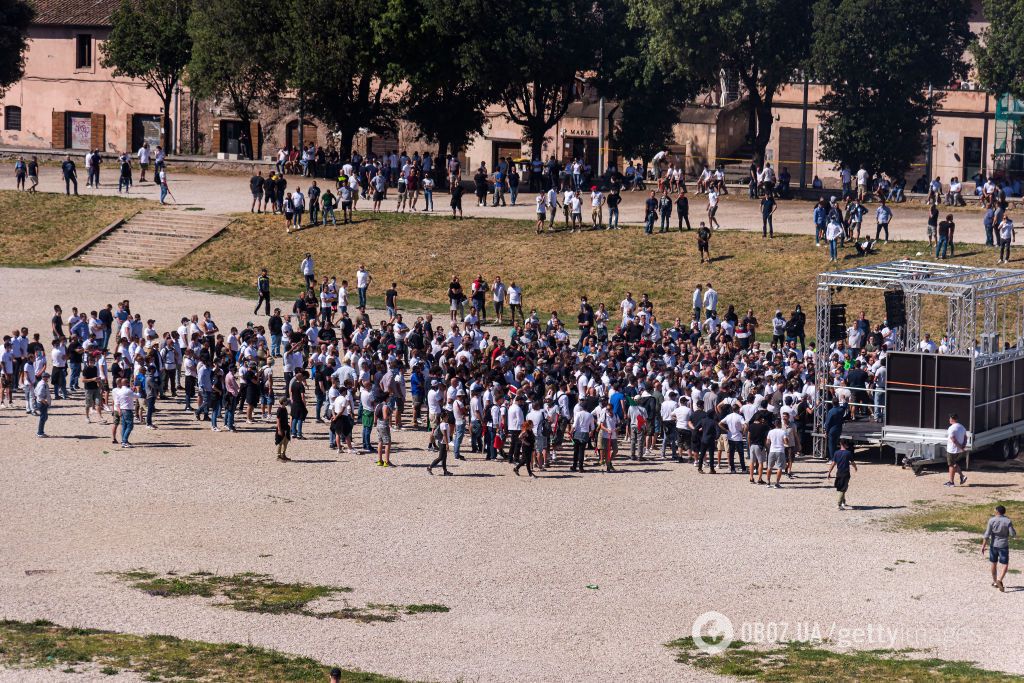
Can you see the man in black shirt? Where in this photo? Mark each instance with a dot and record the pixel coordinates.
(256, 184)
(683, 210)
(263, 289)
(275, 325)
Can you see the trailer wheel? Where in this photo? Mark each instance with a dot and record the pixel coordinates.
(1008, 449)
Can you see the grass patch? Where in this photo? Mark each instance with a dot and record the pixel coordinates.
(804, 663)
(43, 227)
(969, 519)
(249, 592)
(421, 253)
(245, 592)
(41, 644)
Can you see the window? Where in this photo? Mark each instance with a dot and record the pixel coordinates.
(972, 158)
(12, 118)
(83, 51)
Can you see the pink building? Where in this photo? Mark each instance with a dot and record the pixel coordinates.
(66, 99)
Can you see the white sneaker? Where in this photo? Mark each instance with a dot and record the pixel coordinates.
(216, 429)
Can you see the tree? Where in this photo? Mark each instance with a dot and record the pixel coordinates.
(15, 16)
(650, 93)
(999, 50)
(537, 56)
(763, 42)
(339, 68)
(247, 73)
(149, 40)
(877, 111)
(444, 94)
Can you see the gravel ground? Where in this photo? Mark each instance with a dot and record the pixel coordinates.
(230, 194)
(510, 556)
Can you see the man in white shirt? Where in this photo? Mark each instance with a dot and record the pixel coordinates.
(956, 448)
(515, 303)
(498, 298)
(308, 270)
(778, 441)
(597, 207)
(713, 209)
(668, 425)
(363, 280)
(143, 161)
(582, 425)
(710, 301)
(123, 398)
(735, 429)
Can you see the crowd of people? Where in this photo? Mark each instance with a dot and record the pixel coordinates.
(519, 388)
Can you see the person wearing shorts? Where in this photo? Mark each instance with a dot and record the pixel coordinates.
(777, 441)
(758, 461)
(998, 533)
(382, 416)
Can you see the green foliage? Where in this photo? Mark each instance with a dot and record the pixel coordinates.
(249, 592)
(965, 518)
(806, 663)
(339, 66)
(149, 40)
(541, 49)
(999, 51)
(245, 71)
(650, 92)
(41, 644)
(444, 95)
(877, 111)
(15, 16)
(763, 42)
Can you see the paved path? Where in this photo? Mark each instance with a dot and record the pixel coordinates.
(230, 194)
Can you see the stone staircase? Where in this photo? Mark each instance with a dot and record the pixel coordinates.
(150, 239)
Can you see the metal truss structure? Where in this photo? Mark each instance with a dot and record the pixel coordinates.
(998, 292)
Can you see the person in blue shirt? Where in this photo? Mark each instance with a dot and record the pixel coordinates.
(617, 400)
(819, 221)
(842, 461)
(989, 222)
(883, 214)
(833, 427)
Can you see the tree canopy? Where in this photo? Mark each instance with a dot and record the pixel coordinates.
(877, 109)
(999, 50)
(762, 42)
(15, 16)
(150, 40)
(246, 72)
(338, 67)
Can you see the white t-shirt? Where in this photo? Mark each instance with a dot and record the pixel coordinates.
(777, 440)
(862, 177)
(712, 199)
(954, 435)
(362, 278)
(734, 424)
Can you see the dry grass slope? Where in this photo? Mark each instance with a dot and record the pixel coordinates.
(422, 253)
(43, 227)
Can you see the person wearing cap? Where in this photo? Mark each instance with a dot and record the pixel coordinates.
(41, 392)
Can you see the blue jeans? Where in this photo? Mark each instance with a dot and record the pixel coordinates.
(513, 193)
(127, 424)
(833, 249)
(362, 296)
(216, 408)
(649, 224)
(492, 452)
(460, 432)
(476, 436)
(879, 402)
(428, 200)
(367, 429)
(941, 246)
(76, 372)
(275, 345)
(613, 217)
(296, 427)
(204, 403)
(163, 193)
(44, 412)
(229, 412)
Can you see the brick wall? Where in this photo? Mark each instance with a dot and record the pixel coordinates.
(58, 135)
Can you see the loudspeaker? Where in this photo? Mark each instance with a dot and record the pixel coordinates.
(895, 308)
(836, 322)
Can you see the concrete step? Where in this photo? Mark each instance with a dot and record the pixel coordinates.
(153, 238)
